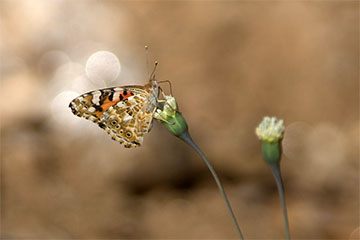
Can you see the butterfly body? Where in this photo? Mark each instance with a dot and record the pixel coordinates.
(126, 113)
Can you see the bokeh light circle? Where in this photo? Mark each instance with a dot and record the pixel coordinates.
(295, 142)
(103, 68)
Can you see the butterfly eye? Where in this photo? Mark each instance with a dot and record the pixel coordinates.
(121, 131)
(114, 122)
(128, 134)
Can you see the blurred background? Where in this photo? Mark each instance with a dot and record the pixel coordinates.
(230, 63)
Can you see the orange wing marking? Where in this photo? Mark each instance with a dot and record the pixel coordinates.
(107, 103)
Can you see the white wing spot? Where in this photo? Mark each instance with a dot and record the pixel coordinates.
(116, 96)
(120, 104)
(127, 118)
(92, 118)
(96, 97)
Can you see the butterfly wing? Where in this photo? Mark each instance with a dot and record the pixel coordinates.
(88, 105)
(124, 112)
(127, 121)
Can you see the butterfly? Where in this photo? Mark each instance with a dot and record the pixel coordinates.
(126, 113)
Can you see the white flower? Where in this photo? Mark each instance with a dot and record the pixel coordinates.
(270, 129)
(171, 103)
(169, 109)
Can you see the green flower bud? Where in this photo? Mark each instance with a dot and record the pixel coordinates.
(270, 132)
(170, 117)
(167, 113)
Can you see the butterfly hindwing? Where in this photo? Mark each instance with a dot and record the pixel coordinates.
(128, 120)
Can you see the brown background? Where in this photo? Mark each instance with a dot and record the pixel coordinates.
(230, 63)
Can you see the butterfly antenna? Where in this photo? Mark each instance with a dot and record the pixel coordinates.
(153, 72)
(147, 58)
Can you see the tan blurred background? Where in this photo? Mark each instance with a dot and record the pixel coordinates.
(230, 64)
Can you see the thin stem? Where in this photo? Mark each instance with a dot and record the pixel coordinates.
(275, 169)
(187, 138)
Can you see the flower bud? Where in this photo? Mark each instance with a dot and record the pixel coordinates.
(270, 132)
(171, 118)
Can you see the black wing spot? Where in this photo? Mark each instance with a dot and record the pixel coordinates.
(125, 92)
(111, 95)
(102, 125)
(121, 97)
(98, 108)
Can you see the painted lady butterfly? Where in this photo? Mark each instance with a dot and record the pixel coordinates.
(126, 113)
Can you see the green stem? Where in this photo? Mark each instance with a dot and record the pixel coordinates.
(185, 136)
(275, 169)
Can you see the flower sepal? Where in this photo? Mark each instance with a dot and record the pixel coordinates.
(271, 151)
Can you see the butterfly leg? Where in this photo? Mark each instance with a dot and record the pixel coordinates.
(168, 82)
